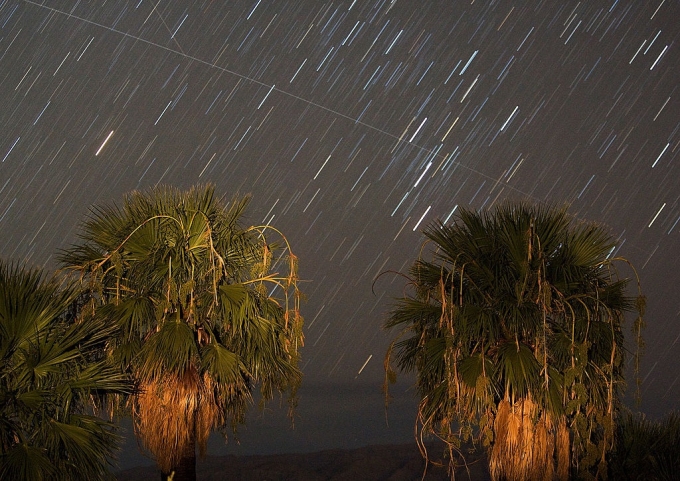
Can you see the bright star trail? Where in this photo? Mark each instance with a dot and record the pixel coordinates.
(353, 124)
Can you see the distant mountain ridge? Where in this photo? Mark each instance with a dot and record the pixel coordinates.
(376, 463)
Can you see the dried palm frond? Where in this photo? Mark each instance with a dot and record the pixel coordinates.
(173, 413)
(528, 444)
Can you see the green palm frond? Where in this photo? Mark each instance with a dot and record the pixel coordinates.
(171, 349)
(519, 369)
(85, 438)
(26, 462)
(475, 366)
(222, 364)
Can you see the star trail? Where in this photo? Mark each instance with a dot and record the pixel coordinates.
(353, 124)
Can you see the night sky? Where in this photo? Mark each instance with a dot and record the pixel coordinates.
(353, 124)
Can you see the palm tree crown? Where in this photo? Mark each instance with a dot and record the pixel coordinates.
(514, 330)
(50, 373)
(195, 299)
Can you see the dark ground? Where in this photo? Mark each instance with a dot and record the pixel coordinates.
(386, 462)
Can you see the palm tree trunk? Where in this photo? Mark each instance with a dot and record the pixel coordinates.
(185, 470)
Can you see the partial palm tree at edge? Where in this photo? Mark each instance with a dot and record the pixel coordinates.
(52, 376)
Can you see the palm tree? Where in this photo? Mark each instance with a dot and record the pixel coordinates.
(50, 373)
(646, 449)
(202, 318)
(514, 330)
